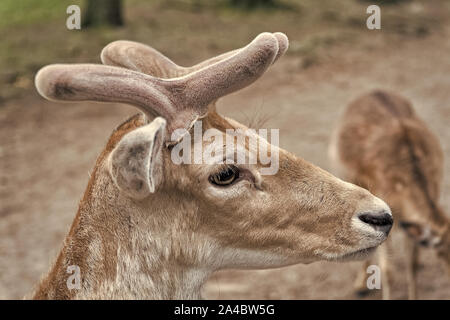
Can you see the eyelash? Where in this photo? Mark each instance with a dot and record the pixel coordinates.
(225, 177)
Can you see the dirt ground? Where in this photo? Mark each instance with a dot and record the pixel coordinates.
(47, 150)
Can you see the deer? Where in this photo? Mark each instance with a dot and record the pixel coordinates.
(381, 144)
(148, 228)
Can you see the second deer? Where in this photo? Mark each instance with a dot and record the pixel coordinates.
(383, 146)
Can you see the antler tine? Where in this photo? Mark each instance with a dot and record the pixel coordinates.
(181, 101)
(283, 44)
(81, 82)
(139, 57)
(198, 89)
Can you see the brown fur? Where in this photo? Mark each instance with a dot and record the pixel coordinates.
(78, 253)
(382, 145)
(312, 223)
(164, 243)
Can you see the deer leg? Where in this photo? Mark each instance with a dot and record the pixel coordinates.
(360, 285)
(411, 267)
(383, 252)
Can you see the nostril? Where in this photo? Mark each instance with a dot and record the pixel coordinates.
(381, 219)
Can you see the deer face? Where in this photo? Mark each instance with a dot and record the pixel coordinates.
(419, 216)
(443, 247)
(245, 216)
(298, 214)
(429, 227)
(430, 236)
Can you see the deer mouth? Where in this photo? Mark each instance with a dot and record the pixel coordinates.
(360, 254)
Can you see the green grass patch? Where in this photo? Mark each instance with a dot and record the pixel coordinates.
(34, 32)
(28, 12)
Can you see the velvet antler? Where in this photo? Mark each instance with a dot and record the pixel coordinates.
(180, 100)
(140, 57)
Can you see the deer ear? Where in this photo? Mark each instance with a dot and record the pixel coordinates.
(414, 230)
(135, 163)
(422, 234)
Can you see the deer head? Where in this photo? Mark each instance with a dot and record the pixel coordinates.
(152, 214)
(417, 204)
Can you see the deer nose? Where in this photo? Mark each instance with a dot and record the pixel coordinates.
(380, 221)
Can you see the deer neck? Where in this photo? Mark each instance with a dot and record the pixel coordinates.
(120, 251)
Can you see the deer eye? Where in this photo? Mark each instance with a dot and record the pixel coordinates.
(225, 177)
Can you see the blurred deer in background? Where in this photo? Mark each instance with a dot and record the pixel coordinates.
(149, 228)
(381, 145)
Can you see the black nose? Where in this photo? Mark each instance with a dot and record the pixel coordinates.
(381, 221)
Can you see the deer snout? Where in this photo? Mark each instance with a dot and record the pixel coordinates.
(380, 221)
(372, 217)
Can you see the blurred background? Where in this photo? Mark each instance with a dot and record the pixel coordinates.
(47, 149)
